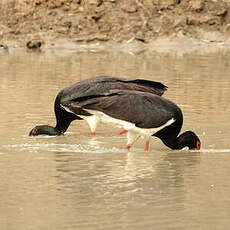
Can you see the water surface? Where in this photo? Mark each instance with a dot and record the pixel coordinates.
(79, 182)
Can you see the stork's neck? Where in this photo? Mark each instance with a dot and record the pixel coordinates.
(52, 131)
(63, 123)
(169, 135)
(187, 139)
(63, 118)
(174, 142)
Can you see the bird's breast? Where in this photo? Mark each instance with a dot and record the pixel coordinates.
(101, 117)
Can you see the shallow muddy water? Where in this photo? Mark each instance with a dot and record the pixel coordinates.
(77, 181)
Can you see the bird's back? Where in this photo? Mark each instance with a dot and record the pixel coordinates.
(103, 84)
(145, 110)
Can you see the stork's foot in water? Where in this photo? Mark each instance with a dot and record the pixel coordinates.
(93, 134)
(123, 132)
(128, 146)
(147, 146)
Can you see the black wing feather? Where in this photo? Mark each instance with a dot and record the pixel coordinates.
(145, 110)
(102, 85)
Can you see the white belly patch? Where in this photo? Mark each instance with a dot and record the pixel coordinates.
(104, 118)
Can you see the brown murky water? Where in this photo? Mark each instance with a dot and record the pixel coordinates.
(79, 182)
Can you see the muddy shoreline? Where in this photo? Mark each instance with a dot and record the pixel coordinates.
(133, 25)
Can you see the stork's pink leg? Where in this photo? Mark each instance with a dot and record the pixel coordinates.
(123, 132)
(147, 145)
(128, 146)
(93, 133)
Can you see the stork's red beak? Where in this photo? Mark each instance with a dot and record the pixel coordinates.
(198, 145)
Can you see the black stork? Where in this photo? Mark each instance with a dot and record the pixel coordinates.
(85, 90)
(140, 114)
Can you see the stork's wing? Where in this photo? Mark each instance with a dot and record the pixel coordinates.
(145, 110)
(102, 85)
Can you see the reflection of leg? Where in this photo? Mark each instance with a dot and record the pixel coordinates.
(123, 132)
(131, 138)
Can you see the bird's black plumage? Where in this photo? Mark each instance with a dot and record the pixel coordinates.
(143, 109)
(90, 88)
(102, 85)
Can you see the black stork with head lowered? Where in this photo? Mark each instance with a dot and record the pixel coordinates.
(84, 90)
(138, 113)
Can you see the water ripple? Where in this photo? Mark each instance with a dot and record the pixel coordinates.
(53, 147)
(214, 150)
